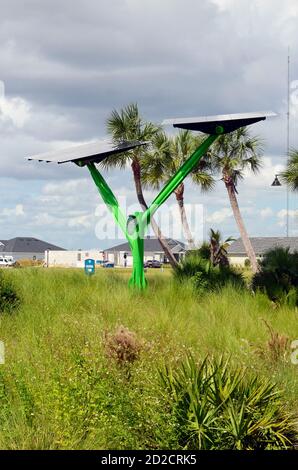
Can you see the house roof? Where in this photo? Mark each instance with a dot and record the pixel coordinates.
(26, 245)
(263, 244)
(151, 244)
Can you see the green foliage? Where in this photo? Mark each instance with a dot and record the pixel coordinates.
(168, 154)
(290, 175)
(215, 250)
(205, 276)
(9, 298)
(218, 406)
(202, 252)
(232, 153)
(218, 248)
(278, 276)
(59, 389)
(128, 124)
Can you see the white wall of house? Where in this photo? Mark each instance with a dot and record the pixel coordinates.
(74, 259)
(239, 260)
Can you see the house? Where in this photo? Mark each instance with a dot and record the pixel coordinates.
(72, 259)
(238, 256)
(26, 248)
(152, 250)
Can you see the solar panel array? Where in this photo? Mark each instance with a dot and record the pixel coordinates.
(86, 153)
(210, 124)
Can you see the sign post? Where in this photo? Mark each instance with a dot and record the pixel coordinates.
(89, 266)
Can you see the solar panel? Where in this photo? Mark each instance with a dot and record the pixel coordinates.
(209, 124)
(86, 153)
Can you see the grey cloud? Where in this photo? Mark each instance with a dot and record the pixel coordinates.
(73, 61)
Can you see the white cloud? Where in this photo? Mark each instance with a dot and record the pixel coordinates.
(44, 219)
(84, 221)
(223, 4)
(267, 212)
(17, 211)
(66, 187)
(14, 110)
(264, 178)
(62, 86)
(282, 216)
(220, 215)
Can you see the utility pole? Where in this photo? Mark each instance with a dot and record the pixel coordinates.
(288, 140)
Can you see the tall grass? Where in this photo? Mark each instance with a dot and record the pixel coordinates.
(58, 388)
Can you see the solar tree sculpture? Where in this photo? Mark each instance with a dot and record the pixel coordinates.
(135, 226)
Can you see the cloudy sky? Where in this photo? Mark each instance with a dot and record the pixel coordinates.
(65, 65)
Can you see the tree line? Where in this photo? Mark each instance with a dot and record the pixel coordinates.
(228, 159)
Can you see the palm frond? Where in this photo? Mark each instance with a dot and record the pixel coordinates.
(204, 180)
(290, 175)
(127, 124)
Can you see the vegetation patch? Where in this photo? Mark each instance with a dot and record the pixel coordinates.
(9, 298)
(205, 276)
(64, 385)
(122, 346)
(218, 406)
(278, 276)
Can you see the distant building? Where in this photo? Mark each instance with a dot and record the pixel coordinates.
(237, 254)
(26, 248)
(72, 258)
(152, 249)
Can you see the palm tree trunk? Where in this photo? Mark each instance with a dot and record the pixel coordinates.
(243, 233)
(179, 193)
(139, 190)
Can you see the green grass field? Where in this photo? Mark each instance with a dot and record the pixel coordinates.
(59, 389)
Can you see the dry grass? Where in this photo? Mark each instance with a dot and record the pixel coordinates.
(122, 346)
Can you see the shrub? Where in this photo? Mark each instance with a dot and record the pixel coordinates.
(123, 346)
(9, 299)
(278, 344)
(218, 406)
(202, 252)
(278, 276)
(205, 276)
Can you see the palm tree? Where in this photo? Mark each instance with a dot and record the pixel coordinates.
(231, 155)
(165, 159)
(219, 248)
(290, 175)
(129, 125)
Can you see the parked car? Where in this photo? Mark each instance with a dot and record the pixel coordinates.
(6, 261)
(152, 263)
(108, 264)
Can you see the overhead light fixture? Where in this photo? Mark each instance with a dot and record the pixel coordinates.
(276, 181)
